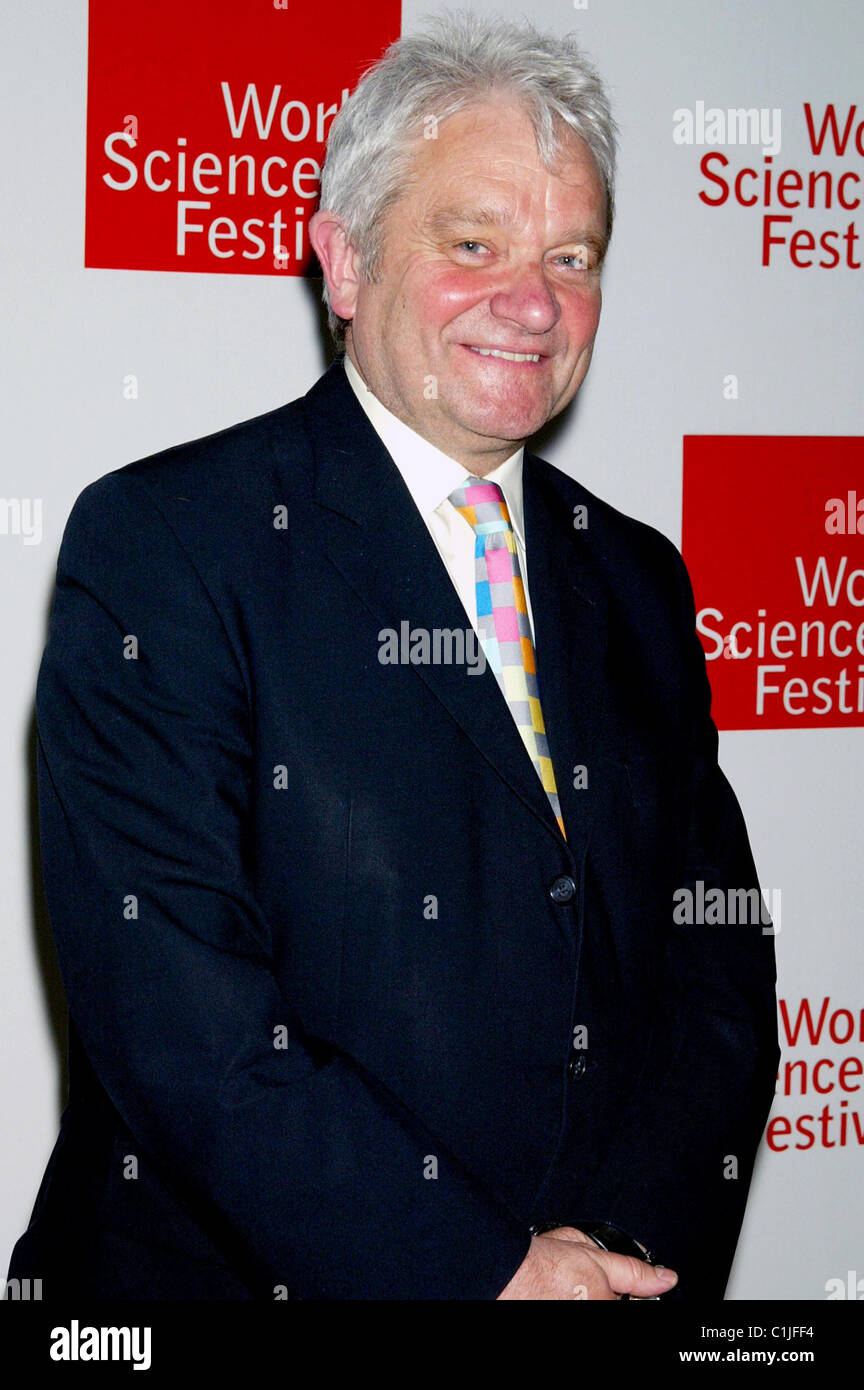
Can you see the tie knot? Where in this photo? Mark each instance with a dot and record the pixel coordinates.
(483, 506)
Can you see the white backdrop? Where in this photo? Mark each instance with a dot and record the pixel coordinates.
(686, 302)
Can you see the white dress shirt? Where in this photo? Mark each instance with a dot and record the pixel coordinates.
(430, 477)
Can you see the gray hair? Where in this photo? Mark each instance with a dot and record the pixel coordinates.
(463, 60)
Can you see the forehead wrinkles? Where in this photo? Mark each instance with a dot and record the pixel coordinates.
(481, 166)
(467, 176)
(505, 204)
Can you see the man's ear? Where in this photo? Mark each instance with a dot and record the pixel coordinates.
(339, 261)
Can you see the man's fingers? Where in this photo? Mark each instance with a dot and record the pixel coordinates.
(636, 1277)
(552, 1268)
(626, 1274)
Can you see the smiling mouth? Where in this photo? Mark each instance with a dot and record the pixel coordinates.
(505, 356)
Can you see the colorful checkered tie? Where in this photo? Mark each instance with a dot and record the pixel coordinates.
(502, 617)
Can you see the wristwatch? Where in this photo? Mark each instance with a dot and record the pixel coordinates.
(605, 1236)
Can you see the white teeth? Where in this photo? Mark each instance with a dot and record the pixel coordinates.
(510, 356)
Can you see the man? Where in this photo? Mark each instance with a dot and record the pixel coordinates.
(374, 981)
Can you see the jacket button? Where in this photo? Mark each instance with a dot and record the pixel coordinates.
(562, 889)
(576, 1066)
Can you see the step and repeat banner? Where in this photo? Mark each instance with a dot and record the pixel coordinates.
(164, 162)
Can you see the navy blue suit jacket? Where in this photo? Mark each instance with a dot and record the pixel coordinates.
(322, 1002)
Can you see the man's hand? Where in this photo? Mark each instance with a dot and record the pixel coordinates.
(566, 1264)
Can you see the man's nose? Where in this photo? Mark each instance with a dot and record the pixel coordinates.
(525, 299)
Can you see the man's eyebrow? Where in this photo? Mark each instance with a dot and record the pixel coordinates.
(447, 220)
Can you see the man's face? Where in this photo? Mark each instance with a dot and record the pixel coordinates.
(486, 250)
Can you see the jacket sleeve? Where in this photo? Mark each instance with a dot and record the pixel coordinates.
(680, 1165)
(300, 1166)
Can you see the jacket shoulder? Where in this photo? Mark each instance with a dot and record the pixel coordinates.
(611, 535)
(212, 492)
(227, 462)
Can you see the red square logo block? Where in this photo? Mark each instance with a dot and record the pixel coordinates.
(206, 127)
(773, 537)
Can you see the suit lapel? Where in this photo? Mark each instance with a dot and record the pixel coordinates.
(570, 632)
(377, 540)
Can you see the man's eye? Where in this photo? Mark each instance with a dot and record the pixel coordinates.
(578, 260)
(472, 245)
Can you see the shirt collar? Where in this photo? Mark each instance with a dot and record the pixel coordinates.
(429, 474)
